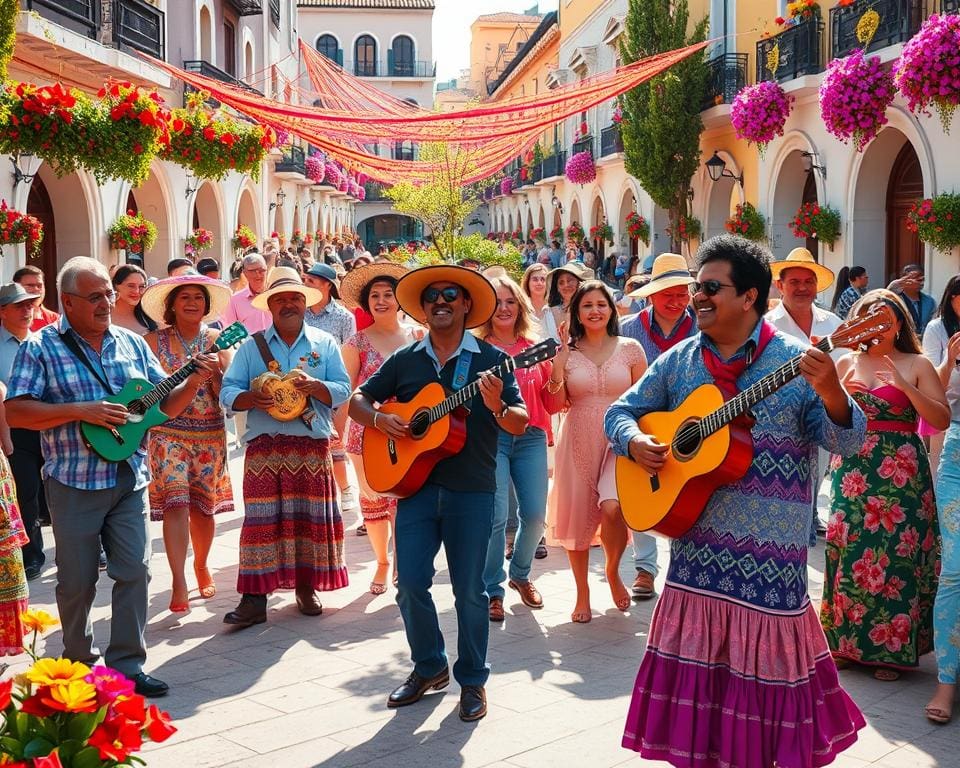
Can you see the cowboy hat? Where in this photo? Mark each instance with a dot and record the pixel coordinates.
(802, 258)
(576, 268)
(669, 271)
(154, 300)
(328, 273)
(285, 280)
(360, 277)
(482, 296)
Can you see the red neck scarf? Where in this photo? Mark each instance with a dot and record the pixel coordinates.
(680, 331)
(725, 375)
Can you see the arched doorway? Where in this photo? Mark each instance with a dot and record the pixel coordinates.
(812, 244)
(557, 225)
(575, 217)
(723, 201)
(793, 184)
(389, 228)
(72, 199)
(905, 188)
(206, 214)
(598, 217)
(247, 212)
(628, 204)
(40, 205)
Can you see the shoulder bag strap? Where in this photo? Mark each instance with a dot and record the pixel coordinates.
(74, 347)
(264, 349)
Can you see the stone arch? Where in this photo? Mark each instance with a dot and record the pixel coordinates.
(721, 197)
(206, 47)
(155, 201)
(247, 211)
(628, 205)
(785, 191)
(208, 213)
(575, 216)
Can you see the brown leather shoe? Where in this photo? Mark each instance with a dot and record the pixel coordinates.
(496, 609)
(307, 602)
(528, 593)
(251, 610)
(642, 585)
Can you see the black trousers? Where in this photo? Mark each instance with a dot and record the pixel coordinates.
(25, 463)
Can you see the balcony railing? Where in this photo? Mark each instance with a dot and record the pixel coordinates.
(81, 16)
(139, 26)
(611, 142)
(899, 21)
(275, 13)
(205, 68)
(727, 76)
(293, 161)
(555, 164)
(583, 145)
(951, 6)
(791, 54)
(246, 7)
(392, 68)
(374, 192)
(536, 173)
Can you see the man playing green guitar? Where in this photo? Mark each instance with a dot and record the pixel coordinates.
(61, 378)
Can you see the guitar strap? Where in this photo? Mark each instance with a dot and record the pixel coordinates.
(308, 416)
(78, 352)
(462, 370)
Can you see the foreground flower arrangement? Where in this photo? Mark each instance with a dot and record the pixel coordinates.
(759, 113)
(17, 227)
(63, 714)
(854, 97)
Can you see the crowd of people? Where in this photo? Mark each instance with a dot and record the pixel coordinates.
(344, 335)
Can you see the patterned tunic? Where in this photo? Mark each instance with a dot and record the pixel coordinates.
(13, 583)
(737, 671)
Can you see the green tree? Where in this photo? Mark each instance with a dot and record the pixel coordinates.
(9, 9)
(444, 202)
(661, 118)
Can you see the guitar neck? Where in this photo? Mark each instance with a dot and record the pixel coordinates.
(745, 400)
(466, 393)
(166, 386)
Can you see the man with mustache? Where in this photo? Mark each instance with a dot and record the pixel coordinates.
(455, 505)
(292, 534)
(734, 634)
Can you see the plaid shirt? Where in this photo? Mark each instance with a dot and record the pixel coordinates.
(45, 369)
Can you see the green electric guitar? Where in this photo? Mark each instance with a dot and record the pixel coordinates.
(142, 400)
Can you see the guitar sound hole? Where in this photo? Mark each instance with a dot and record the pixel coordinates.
(136, 408)
(419, 424)
(687, 440)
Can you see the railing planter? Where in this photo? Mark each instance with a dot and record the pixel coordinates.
(793, 53)
(898, 21)
(727, 77)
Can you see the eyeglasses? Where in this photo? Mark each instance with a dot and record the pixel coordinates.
(711, 287)
(450, 293)
(96, 298)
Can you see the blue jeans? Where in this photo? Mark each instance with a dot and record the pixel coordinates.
(946, 609)
(645, 553)
(461, 522)
(522, 458)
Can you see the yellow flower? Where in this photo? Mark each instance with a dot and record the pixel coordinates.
(867, 26)
(39, 621)
(56, 671)
(73, 696)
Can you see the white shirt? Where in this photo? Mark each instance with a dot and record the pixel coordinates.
(824, 323)
(935, 342)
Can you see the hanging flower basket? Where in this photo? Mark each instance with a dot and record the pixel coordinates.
(332, 174)
(296, 239)
(638, 227)
(747, 222)
(854, 97)
(200, 240)
(759, 113)
(538, 234)
(506, 185)
(575, 233)
(602, 232)
(556, 233)
(243, 238)
(315, 169)
(928, 71)
(580, 168)
(517, 234)
(687, 229)
(132, 233)
(937, 221)
(17, 227)
(821, 222)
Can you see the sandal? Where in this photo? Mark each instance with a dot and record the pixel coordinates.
(937, 715)
(207, 587)
(886, 674)
(541, 551)
(376, 588)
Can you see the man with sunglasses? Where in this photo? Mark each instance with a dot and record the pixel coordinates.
(61, 377)
(734, 633)
(455, 505)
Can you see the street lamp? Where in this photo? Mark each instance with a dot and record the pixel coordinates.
(810, 162)
(191, 185)
(717, 169)
(18, 174)
(281, 196)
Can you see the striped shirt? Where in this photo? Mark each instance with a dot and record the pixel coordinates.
(46, 370)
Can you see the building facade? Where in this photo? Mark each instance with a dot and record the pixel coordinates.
(495, 40)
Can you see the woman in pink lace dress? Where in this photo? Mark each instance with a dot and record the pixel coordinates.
(371, 287)
(594, 369)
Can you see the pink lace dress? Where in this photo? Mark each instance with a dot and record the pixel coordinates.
(583, 474)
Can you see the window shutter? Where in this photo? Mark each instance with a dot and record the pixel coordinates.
(340, 56)
(390, 60)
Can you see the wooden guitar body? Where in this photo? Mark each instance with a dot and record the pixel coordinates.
(671, 501)
(399, 468)
(122, 442)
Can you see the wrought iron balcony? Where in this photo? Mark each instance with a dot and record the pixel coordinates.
(139, 26)
(409, 69)
(611, 142)
(293, 161)
(950, 6)
(374, 192)
(246, 7)
(899, 21)
(536, 173)
(82, 16)
(727, 76)
(554, 165)
(583, 145)
(275, 13)
(205, 68)
(791, 54)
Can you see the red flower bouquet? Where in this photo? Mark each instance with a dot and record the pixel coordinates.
(747, 222)
(243, 238)
(638, 228)
(17, 227)
(132, 233)
(821, 222)
(937, 221)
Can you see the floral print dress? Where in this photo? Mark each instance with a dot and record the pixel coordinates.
(882, 550)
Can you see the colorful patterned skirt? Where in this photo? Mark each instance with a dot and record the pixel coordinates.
(292, 532)
(372, 506)
(13, 583)
(726, 684)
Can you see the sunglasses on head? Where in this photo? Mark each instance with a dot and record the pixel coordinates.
(711, 287)
(450, 293)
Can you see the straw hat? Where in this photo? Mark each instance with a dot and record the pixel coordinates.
(576, 268)
(154, 300)
(494, 270)
(669, 271)
(360, 277)
(482, 296)
(285, 280)
(801, 257)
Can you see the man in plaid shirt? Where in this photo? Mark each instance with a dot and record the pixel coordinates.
(53, 390)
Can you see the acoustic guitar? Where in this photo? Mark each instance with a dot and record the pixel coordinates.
(437, 424)
(707, 447)
(142, 400)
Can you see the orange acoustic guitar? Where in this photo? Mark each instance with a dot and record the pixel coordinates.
(438, 429)
(713, 450)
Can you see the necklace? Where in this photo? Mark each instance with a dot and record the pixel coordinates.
(195, 346)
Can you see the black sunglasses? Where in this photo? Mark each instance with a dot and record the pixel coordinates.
(450, 293)
(711, 287)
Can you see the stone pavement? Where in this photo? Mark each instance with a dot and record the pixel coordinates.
(301, 691)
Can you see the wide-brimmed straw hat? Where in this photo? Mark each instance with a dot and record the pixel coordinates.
(154, 299)
(360, 277)
(285, 280)
(482, 296)
(802, 258)
(576, 268)
(669, 271)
